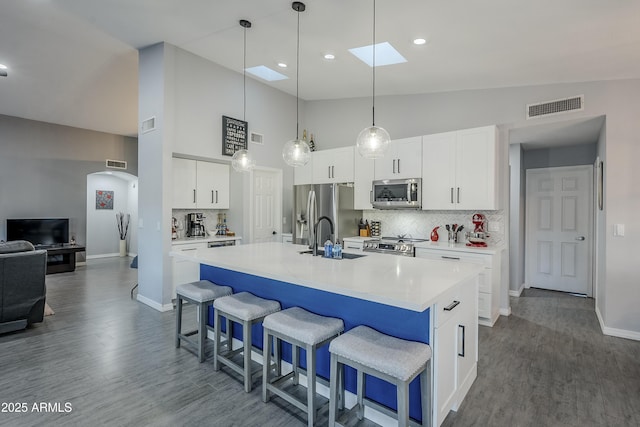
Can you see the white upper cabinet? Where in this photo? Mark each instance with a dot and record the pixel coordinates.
(303, 174)
(200, 185)
(335, 165)
(184, 183)
(212, 185)
(402, 160)
(459, 170)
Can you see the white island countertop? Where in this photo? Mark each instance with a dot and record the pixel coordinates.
(409, 283)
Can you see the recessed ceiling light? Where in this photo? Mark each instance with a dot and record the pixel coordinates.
(266, 73)
(329, 56)
(419, 41)
(385, 54)
(282, 65)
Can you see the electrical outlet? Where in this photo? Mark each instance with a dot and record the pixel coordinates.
(494, 226)
(284, 219)
(140, 224)
(618, 230)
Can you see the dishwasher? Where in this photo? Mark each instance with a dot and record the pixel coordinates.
(222, 243)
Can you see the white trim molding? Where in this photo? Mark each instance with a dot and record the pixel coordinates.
(151, 303)
(619, 333)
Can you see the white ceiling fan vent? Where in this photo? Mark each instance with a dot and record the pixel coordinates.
(117, 164)
(558, 106)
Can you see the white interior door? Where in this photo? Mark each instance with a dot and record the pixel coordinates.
(559, 228)
(266, 209)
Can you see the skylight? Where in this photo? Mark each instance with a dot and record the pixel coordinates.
(266, 73)
(385, 54)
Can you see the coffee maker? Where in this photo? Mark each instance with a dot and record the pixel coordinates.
(195, 224)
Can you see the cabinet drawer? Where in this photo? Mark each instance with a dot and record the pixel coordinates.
(457, 300)
(354, 245)
(484, 305)
(448, 255)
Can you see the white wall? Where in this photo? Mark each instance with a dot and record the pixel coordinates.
(516, 220)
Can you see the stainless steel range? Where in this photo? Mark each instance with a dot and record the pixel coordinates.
(392, 245)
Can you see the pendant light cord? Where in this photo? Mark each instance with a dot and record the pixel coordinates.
(298, 78)
(244, 78)
(373, 101)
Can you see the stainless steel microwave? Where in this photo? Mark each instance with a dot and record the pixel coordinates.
(397, 194)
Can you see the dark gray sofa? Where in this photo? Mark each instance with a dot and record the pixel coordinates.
(22, 285)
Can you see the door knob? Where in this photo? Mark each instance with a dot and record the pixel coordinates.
(580, 238)
(273, 232)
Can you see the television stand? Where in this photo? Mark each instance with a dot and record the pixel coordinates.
(62, 258)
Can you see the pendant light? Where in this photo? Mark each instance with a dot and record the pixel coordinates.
(297, 152)
(242, 160)
(373, 142)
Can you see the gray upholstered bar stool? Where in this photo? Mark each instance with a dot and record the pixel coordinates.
(202, 294)
(392, 359)
(246, 309)
(301, 329)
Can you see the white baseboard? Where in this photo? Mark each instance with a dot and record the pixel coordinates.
(113, 255)
(505, 311)
(153, 304)
(517, 292)
(620, 333)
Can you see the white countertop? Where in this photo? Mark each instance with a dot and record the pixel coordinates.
(206, 239)
(458, 247)
(409, 283)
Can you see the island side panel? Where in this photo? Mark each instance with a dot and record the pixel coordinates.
(395, 321)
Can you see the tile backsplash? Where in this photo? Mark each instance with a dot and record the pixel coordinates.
(418, 224)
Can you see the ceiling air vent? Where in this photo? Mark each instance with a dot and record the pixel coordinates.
(558, 106)
(117, 164)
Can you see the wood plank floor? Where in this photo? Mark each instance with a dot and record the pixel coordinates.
(113, 361)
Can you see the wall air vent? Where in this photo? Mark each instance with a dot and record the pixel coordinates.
(117, 164)
(148, 125)
(558, 106)
(257, 138)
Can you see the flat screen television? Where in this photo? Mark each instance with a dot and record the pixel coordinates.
(40, 232)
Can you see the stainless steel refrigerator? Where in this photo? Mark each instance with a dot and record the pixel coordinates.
(313, 201)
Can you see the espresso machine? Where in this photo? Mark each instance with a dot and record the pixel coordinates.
(195, 224)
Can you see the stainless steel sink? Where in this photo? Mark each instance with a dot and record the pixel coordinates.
(344, 254)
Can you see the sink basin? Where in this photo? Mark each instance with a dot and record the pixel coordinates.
(344, 254)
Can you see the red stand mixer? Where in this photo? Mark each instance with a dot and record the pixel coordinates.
(478, 237)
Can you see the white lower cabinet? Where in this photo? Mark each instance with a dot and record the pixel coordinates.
(455, 355)
(185, 271)
(354, 244)
(490, 279)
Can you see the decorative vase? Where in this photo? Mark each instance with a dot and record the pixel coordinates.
(123, 248)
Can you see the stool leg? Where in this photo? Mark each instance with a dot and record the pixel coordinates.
(360, 403)
(311, 385)
(334, 384)
(229, 334)
(295, 354)
(277, 351)
(246, 329)
(403, 404)
(266, 361)
(178, 320)
(425, 395)
(216, 341)
(202, 331)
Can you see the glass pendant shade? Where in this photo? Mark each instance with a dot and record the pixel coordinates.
(296, 152)
(373, 142)
(242, 161)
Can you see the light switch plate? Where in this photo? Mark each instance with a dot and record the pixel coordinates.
(618, 230)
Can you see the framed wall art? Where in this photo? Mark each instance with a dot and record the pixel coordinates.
(234, 135)
(104, 199)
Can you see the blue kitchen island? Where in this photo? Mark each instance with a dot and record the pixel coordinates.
(395, 295)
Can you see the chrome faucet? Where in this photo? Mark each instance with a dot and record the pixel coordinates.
(315, 233)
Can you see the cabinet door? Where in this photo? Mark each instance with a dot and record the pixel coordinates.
(476, 169)
(445, 339)
(467, 335)
(438, 171)
(212, 186)
(335, 165)
(403, 160)
(303, 174)
(363, 176)
(184, 183)
(408, 158)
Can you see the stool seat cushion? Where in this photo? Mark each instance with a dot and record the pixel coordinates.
(303, 326)
(246, 306)
(396, 357)
(203, 290)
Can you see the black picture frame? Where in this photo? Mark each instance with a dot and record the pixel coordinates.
(234, 135)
